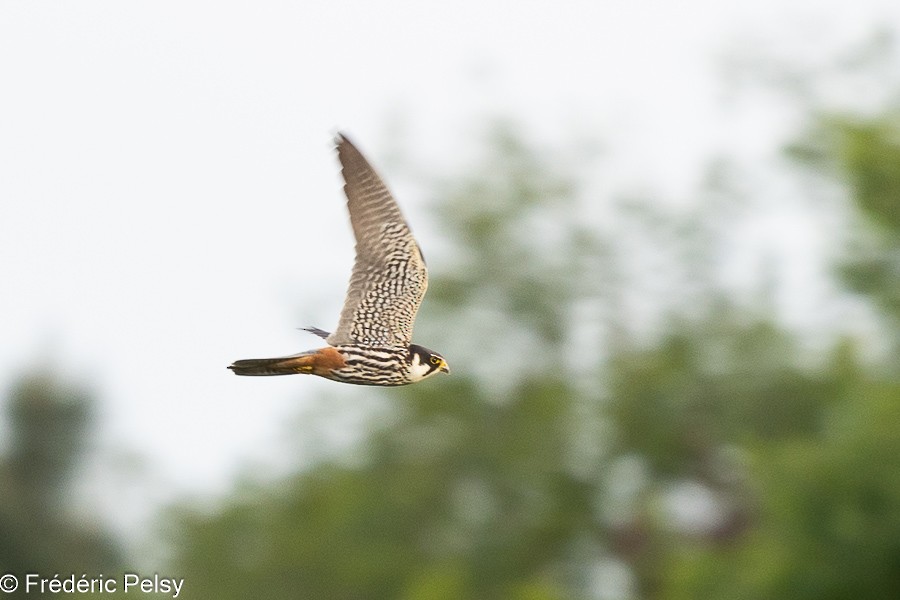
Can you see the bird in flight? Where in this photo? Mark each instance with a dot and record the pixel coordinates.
(372, 342)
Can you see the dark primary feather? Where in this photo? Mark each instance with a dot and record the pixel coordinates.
(316, 331)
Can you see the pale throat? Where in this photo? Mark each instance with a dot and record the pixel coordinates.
(419, 370)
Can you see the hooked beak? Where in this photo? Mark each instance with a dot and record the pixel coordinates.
(445, 368)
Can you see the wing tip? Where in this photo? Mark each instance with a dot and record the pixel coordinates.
(316, 331)
(341, 139)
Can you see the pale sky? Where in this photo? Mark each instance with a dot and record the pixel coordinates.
(167, 178)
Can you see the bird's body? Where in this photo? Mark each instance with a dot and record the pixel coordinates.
(372, 343)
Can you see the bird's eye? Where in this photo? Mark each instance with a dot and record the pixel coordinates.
(435, 359)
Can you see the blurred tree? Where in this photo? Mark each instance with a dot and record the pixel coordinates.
(826, 495)
(48, 419)
(828, 517)
(863, 152)
(713, 459)
(757, 443)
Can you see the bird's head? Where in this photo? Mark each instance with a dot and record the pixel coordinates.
(425, 363)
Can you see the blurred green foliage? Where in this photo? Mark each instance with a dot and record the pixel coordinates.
(573, 453)
(863, 154)
(718, 460)
(48, 419)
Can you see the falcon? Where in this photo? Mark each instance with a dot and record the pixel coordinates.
(372, 342)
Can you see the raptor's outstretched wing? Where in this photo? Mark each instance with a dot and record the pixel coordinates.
(389, 276)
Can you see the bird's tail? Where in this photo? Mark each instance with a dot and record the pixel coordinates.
(284, 365)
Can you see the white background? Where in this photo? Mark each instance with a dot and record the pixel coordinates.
(170, 200)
